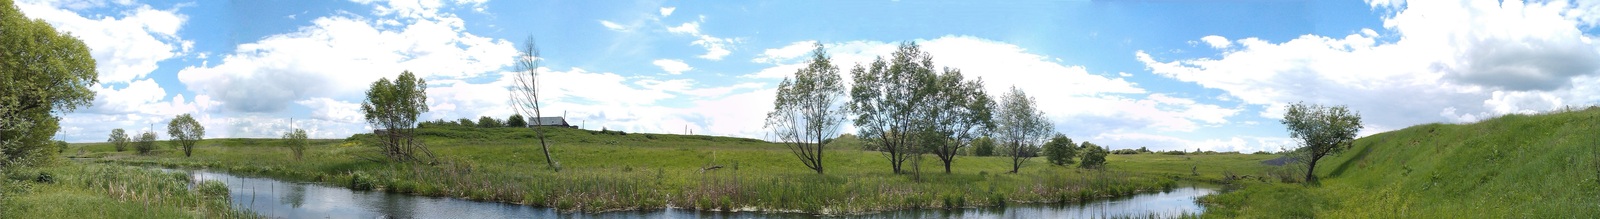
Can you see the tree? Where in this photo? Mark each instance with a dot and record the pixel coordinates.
(296, 140)
(1021, 126)
(392, 108)
(983, 146)
(885, 98)
(185, 132)
(1094, 156)
(525, 94)
(1321, 131)
(489, 122)
(957, 111)
(147, 143)
(466, 122)
(516, 120)
(119, 139)
(809, 109)
(42, 72)
(1060, 150)
(61, 147)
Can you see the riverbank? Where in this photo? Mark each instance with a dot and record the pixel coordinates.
(611, 172)
(86, 190)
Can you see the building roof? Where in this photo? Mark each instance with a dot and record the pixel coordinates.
(548, 121)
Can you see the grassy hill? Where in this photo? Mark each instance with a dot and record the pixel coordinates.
(605, 171)
(1515, 166)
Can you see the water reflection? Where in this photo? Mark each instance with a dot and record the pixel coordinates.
(301, 200)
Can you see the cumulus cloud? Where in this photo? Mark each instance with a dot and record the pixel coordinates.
(716, 47)
(339, 56)
(1452, 61)
(672, 66)
(1217, 42)
(124, 48)
(667, 11)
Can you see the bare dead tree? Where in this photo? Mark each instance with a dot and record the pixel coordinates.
(525, 95)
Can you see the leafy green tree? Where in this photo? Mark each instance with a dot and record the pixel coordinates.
(1321, 131)
(957, 111)
(146, 143)
(185, 132)
(61, 147)
(466, 122)
(296, 140)
(392, 108)
(983, 146)
(809, 109)
(1022, 127)
(1060, 150)
(119, 139)
(42, 72)
(885, 98)
(489, 122)
(516, 120)
(1094, 156)
(525, 94)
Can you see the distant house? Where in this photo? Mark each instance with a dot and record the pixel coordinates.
(549, 121)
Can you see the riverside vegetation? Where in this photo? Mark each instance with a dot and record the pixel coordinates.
(609, 171)
(1514, 166)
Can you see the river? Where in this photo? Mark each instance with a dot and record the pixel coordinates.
(280, 199)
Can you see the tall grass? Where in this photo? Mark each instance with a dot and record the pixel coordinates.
(109, 191)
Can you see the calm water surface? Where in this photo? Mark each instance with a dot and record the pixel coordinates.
(281, 199)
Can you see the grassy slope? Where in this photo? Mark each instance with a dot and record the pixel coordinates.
(610, 172)
(1516, 166)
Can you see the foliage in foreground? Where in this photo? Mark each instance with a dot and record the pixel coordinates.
(78, 190)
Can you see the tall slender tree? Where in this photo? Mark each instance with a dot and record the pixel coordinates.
(884, 99)
(1022, 127)
(185, 132)
(119, 139)
(957, 111)
(392, 108)
(525, 95)
(809, 109)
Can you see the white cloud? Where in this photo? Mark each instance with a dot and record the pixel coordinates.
(124, 48)
(785, 53)
(1452, 61)
(613, 26)
(1217, 42)
(338, 57)
(672, 66)
(716, 47)
(667, 11)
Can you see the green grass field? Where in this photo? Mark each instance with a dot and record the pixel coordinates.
(608, 171)
(1516, 166)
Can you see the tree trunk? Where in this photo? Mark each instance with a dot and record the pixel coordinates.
(947, 165)
(1311, 170)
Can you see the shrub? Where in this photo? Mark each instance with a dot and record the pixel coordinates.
(360, 181)
(1060, 150)
(146, 143)
(983, 147)
(1093, 156)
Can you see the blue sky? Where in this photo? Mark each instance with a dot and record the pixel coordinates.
(1210, 75)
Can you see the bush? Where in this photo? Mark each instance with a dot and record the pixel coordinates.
(361, 182)
(213, 189)
(983, 147)
(146, 143)
(1060, 150)
(1093, 156)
